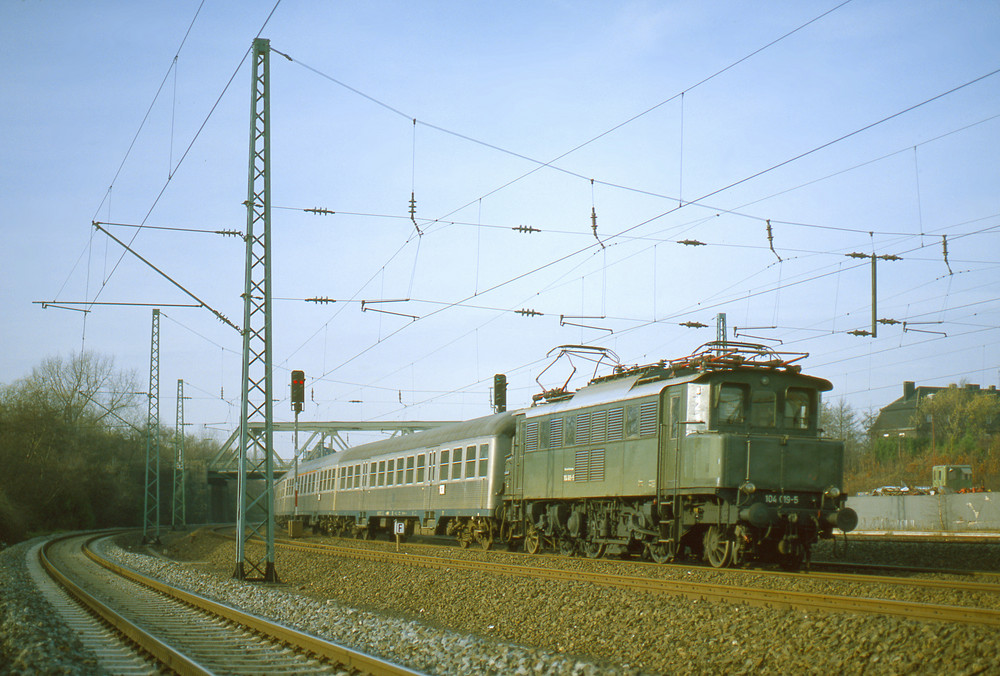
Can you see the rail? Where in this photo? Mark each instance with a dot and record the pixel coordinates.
(177, 659)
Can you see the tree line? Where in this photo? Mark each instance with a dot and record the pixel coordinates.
(73, 451)
(965, 431)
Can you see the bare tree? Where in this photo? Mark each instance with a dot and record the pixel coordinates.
(84, 388)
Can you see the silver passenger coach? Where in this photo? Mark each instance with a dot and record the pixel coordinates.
(446, 480)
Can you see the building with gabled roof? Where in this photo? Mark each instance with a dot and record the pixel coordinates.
(899, 419)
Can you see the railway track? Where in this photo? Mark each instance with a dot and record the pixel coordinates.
(710, 591)
(167, 628)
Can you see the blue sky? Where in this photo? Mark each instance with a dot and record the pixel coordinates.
(496, 90)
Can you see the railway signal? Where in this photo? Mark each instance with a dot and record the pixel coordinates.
(298, 390)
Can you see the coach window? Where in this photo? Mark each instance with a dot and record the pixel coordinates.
(762, 409)
(456, 464)
(421, 460)
(409, 470)
(372, 472)
(484, 456)
(730, 404)
(470, 462)
(798, 408)
(390, 472)
(381, 472)
(444, 465)
(399, 471)
(357, 476)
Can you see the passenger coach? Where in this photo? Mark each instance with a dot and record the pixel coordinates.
(444, 481)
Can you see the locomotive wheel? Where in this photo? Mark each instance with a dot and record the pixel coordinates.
(484, 532)
(662, 552)
(532, 540)
(718, 548)
(594, 550)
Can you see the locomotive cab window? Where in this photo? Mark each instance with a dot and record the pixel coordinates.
(798, 408)
(730, 404)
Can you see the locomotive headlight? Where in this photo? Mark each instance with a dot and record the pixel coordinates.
(832, 492)
(748, 487)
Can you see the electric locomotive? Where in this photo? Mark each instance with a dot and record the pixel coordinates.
(717, 454)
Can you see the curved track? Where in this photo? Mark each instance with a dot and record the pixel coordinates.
(710, 591)
(190, 634)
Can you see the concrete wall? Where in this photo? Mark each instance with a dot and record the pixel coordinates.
(952, 512)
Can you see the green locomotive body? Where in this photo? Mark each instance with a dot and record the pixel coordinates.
(718, 454)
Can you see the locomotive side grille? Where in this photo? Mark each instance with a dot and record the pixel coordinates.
(582, 464)
(555, 433)
(598, 426)
(647, 419)
(582, 428)
(531, 437)
(596, 469)
(616, 421)
(589, 465)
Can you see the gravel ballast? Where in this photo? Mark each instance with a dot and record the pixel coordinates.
(33, 639)
(452, 622)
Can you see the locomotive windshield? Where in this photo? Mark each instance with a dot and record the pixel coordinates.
(736, 404)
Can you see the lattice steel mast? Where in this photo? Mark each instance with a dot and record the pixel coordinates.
(151, 499)
(180, 482)
(255, 514)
